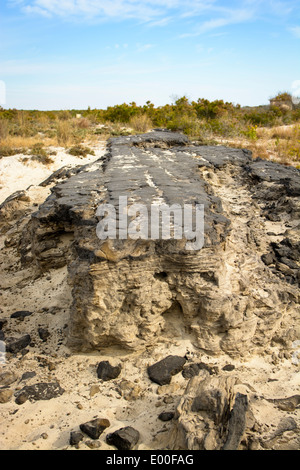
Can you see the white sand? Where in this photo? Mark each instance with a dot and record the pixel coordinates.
(17, 174)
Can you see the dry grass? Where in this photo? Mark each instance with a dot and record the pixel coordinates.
(4, 129)
(65, 133)
(83, 123)
(140, 123)
(22, 134)
(13, 145)
(278, 132)
(17, 141)
(280, 144)
(283, 142)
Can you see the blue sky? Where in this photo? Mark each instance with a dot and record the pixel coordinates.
(62, 54)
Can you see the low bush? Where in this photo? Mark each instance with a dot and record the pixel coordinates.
(80, 151)
(140, 123)
(6, 151)
(39, 154)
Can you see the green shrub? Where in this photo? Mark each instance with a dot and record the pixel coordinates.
(64, 115)
(80, 151)
(251, 133)
(283, 96)
(122, 112)
(212, 109)
(39, 154)
(6, 151)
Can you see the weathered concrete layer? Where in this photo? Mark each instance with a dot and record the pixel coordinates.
(237, 294)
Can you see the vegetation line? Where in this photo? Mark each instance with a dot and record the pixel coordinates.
(270, 132)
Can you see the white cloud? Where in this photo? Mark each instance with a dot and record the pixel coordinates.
(37, 10)
(203, 16)
(229, 17)
(145, 10)
(296, 31)
(162, 22)
(144, 47)
(22, 67)
(78, 70)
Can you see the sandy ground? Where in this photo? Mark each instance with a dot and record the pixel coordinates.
(131, 399)
(18, 174)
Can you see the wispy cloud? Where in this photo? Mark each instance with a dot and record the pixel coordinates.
(201, 16)
(161, 22)
(296, 31)
(229, 17)
(144, 47)
(219, 16)
(22, 67)
(160, 12)
(46, 69)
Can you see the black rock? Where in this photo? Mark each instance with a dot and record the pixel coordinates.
(3, 322)
(21, 314)
(25, 351)
(166, 416)
(268, 259)
(43, 334)
(16, 195)
(123, 439)
(287, 248)
(27, 375)
(285, 178)
(2, 336)
(288, 262)
(21, 398)
(194, 369)
(75, 438)
(105, 371)
(228, 367)
(63, 173)
(14, 345)
(95, 427)
(162, 372)
(40, 391)
(190, 371)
